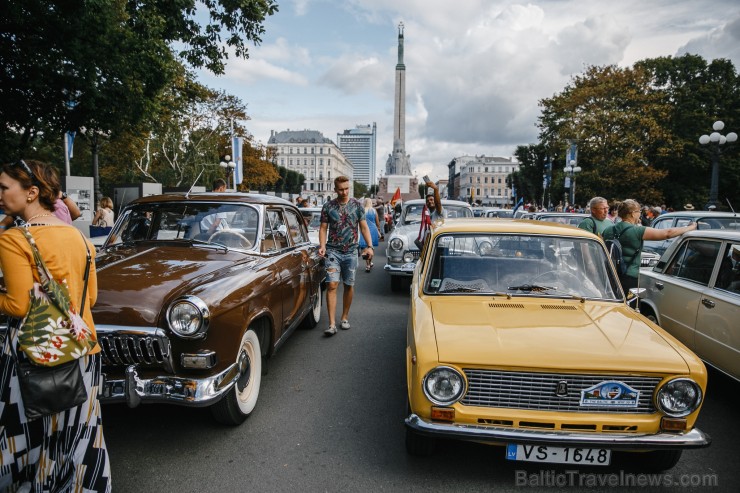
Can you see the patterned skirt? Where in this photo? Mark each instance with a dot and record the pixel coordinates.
(62, 452)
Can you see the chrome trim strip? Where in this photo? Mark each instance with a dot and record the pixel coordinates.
(480, 433)
(127, 337)
(397, 270)
(168, 389)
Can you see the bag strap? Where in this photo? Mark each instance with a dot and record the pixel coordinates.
(44, 271)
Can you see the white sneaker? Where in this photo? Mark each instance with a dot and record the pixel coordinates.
(330, 331)
(345, 324)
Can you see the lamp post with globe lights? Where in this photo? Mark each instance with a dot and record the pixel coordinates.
(717, 140)
(229, 166)
(571, 169)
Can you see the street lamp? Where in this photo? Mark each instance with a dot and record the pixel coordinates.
(717, 139)
(229, 166)
(571, 170)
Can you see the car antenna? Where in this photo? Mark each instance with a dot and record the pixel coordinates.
(730, 204)
(196, 181)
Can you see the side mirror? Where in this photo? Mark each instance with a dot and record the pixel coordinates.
(633, 297)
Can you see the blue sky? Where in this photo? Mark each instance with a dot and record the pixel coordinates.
(475, 69)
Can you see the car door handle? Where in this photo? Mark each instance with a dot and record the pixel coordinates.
(659, 285)
(707, 303)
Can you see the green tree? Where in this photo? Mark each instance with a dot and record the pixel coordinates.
(616, 117)
(101, 65)
(528, 181)
(699, 94)
(360, 189)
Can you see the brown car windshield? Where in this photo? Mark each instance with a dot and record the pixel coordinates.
(232, 225)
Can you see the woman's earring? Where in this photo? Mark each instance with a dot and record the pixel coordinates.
(28, 199)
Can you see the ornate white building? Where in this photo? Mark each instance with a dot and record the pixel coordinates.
(484, 178)
(314, 156)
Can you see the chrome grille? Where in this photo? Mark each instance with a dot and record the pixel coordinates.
(536, 391)
(149, 347)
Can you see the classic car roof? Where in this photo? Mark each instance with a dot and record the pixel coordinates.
(693, 214)
(248, 198)
(522, 226)
(719, 234)
(444, 202)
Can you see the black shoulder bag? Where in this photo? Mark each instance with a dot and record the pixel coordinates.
(48, 390)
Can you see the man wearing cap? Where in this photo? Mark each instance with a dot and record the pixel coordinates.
(430, 214)
(688, 207)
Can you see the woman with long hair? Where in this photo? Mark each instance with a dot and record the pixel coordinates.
(373, 224)
(64, 451)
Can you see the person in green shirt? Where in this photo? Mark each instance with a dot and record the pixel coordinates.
(598, 221)
(631, 235)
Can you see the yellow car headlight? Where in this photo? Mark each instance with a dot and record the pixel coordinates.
(679, 397)
(444, 385)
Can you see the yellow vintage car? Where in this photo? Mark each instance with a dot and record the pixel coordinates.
(520, 335)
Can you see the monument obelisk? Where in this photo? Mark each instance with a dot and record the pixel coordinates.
(398, 165)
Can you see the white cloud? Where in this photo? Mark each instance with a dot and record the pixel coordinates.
(475, 69)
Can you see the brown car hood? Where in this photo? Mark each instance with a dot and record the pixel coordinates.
(554, 335)
(136, 283)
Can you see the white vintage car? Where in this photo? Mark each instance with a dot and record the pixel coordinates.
(401, 251)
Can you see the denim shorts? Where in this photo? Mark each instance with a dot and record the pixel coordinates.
(341, 266)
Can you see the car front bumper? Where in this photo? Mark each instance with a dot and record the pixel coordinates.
(194, 392)
(622, 441)
(406, 269)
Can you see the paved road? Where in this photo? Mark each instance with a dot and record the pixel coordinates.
(330, 418)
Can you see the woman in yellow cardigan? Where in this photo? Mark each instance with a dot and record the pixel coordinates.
(66, 451)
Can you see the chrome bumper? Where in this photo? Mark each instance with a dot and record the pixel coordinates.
(402, 270)
(692, 439)
(168, 389)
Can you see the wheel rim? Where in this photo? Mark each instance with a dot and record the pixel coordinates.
(249, 363)
(316, 312)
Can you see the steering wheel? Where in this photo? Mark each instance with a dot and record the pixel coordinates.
(230, 238)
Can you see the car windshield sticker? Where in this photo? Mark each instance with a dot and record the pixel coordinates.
(446, 239)
(436, 282)
(610, 394)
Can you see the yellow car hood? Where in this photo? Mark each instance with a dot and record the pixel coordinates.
(552, 334)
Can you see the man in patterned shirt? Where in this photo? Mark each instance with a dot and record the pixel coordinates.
(338, 243)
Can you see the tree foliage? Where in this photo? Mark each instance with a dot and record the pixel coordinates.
(637, 130)
(101, 65)
(617, 120)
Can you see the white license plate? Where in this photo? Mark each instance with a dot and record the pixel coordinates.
(559, 455)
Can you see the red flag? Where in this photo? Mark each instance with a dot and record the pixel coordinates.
(396, 197)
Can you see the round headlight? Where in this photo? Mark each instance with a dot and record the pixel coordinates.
(188, 317)
(444, 385)
(679, 397)
(396, 243)
(408, 257)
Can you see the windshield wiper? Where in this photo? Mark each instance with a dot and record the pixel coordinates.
(531, 287)
(461, 289)
(541, 289)
(194, 241)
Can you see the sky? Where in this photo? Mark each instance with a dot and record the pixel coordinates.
(475, 69)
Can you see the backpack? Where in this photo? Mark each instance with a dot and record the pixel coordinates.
(614, 247)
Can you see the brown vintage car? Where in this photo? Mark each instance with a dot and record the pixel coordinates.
(196, 291)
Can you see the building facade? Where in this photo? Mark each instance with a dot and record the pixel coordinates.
(482, 179)
(358, 145)
(314, 156)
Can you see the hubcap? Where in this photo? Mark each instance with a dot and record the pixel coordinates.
(244, 371)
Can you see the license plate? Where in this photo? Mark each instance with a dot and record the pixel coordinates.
(559, 455)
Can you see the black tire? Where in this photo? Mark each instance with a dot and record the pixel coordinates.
(312, 318)
(419, 445)
(240, 401)
(396, 284)
(648, 313)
